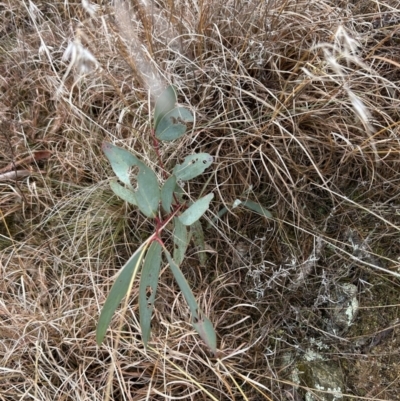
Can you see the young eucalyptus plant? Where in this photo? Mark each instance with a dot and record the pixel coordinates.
(163, 205)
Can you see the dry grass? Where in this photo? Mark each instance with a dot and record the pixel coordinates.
(298, 101)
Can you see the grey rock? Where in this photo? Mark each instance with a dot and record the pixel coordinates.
(343, 308)
(323, 378)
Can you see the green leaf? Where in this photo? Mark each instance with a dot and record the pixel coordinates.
(173, 125)
(256, 207)
(164, 104)
(121, 161)
(180, 241)
(167, 193)
(147, 197)
(192, 166)
(206, 331)
(148, 288)
(201, 324)
(183, 285)
(148, 192)
(124, 193)
(196, 231)
(179, 192)
(196, 210)
(214, 220)
(119, 289)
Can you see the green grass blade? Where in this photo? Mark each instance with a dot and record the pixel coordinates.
(119, 289)
(196, 210)
(148, 288)
(192, 166)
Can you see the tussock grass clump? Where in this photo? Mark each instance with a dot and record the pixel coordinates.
(297, 101)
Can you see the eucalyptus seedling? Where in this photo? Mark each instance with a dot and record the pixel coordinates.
(163, 204)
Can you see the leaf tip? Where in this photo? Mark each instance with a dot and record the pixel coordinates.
(205, 329)
(99, 337)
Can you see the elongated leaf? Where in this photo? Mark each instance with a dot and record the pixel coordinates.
(183, 285)
(256, 207)
(148, 192)
(236, 203)
(201, 324)
(192, 166)
(167, 193)
(164, 104)
(173, 125)
(196, 231)
(124, 193)
(148, 288)
(206, 331)
(220, 213)
(117, 292)
(180, 241)
(195, 211)
(121, 161)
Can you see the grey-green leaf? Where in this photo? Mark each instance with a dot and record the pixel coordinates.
(121, 161)
(196, 231)
(173, 125)
(147, 197)
(167, 193)
(124, 193)
(220, 213)
(117, 292)
(180, 241)
(148, 192)
(192, 166)
(148, 288)
(206, 331)
(183, 285)
(179, 192)
(256, 207)
(196, 210)
(201, 324)
(164, 104)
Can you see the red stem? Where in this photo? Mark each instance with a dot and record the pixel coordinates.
(160, 224)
